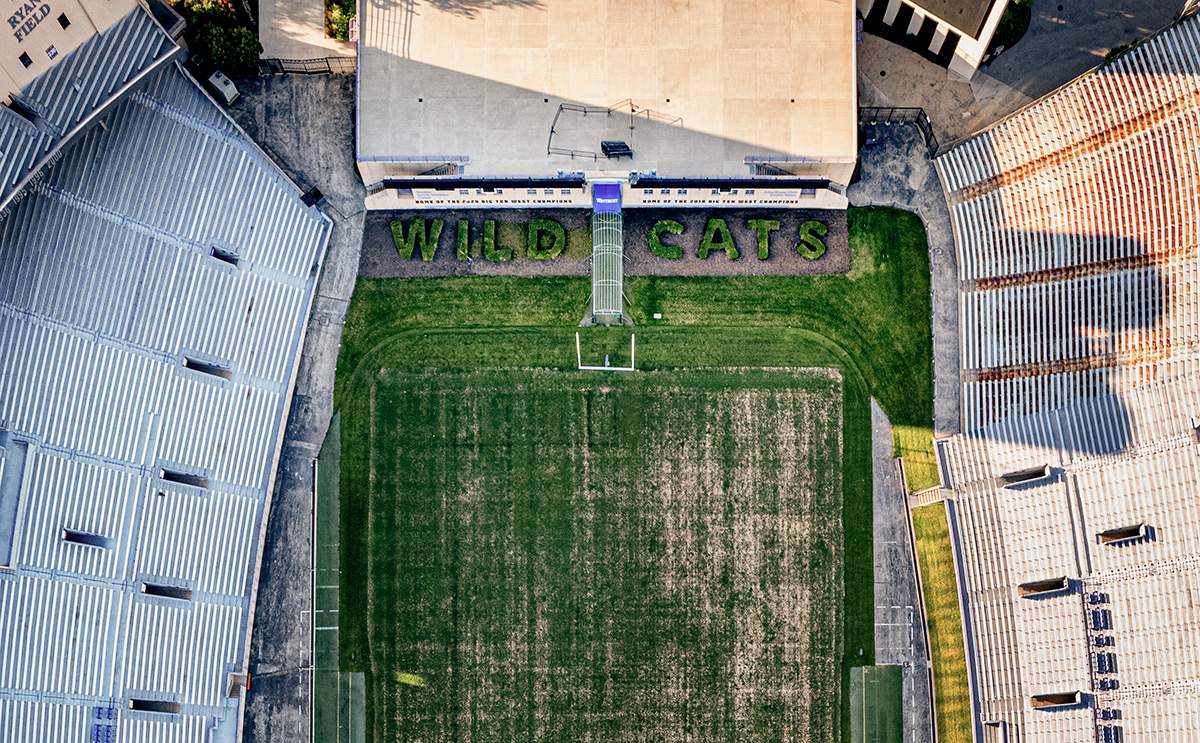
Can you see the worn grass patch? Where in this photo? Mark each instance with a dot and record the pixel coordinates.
(566, 556)
(938, 583)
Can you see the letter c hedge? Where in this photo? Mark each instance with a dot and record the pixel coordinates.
(656, 244)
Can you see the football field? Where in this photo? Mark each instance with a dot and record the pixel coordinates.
(574, 556)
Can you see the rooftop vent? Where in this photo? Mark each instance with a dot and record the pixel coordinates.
(167, 592)
(151, 705)
(1041, 587)
(183, 478)
(205, 367)
(612, 149)
(83, 537)
(1019, 476)
(1056, 701)
(224, 255)
(22, 109)
(1123, 534)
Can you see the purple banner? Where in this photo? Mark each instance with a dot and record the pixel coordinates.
(606, 198)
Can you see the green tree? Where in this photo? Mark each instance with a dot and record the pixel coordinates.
(218, 34)
(234, 50)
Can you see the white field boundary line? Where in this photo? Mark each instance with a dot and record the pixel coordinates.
(632, 358)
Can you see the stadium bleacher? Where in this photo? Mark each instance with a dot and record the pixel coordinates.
(155, 282)
(1076, 225)
(1127, 628)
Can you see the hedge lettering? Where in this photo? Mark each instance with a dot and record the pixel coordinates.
(418, 236)
(463, 244)
(810, 245)
(718, 237)
(656, 244)
(489, 243)
(540, 232)
(763, 227)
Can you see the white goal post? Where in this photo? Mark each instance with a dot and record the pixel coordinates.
(632, 358)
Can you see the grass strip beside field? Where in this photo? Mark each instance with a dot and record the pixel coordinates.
(940, 587)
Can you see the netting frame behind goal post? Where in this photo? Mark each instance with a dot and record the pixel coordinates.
(632, 357)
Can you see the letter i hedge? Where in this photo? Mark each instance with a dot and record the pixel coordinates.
(462, 242)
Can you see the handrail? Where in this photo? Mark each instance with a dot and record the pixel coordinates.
(649, 114)
(902, 115)
(582, 154)
(318, 66)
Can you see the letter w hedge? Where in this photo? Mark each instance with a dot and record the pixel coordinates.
(418, 236)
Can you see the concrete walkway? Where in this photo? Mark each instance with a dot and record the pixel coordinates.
(1066, 38)
(896, 172)
(305, 123)
(899, 622)
(295, 29)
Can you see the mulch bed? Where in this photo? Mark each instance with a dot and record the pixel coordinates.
(380, 259)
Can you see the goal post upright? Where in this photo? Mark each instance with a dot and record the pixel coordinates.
(632, 357)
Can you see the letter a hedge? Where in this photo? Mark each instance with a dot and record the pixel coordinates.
(810, 245)
(656, 244)
(717, 229)
(533, 241)
(417, 236)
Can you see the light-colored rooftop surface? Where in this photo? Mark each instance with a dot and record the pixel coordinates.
(47, 33)
(722, 79)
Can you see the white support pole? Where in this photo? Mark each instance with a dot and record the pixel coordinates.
(632, 350)
(578, 355)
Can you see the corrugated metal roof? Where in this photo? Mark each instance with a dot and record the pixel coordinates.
(107, 281)
(71, 91)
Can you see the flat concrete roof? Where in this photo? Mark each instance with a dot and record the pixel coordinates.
(967, 16)
(703, 83)
(45, 34)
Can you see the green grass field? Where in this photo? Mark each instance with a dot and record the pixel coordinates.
(873, 325)
(951, 692)
(876, 704)
(561, 555)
